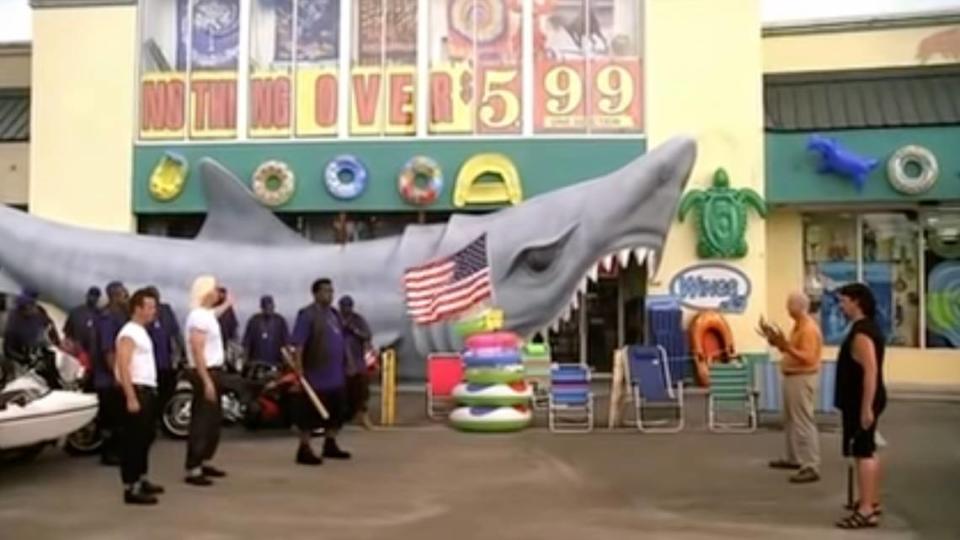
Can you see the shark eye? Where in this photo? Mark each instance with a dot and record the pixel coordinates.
(539, 259)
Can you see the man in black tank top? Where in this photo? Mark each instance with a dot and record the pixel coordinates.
(861, 397)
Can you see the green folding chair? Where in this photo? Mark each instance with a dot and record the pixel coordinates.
(731, 401)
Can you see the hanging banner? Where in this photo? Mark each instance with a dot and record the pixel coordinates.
(382, 100)
(608, 92)
(318, 30)
(213, 36)
(317, 91)
(162, 105)
(270, 102)
(213, 105)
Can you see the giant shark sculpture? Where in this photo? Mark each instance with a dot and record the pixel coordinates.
(541, 253)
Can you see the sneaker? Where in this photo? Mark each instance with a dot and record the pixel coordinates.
(213, 472)
(198, 480)
(332, 451)
(150, 488)
(305, 456)
(805, 475)
(131, 497)
(784, 464)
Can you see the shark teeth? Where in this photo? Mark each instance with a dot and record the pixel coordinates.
(607, 263)
(624, 257)
(592, 273)
(640, 254)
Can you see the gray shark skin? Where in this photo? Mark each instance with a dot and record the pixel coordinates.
(541, 253)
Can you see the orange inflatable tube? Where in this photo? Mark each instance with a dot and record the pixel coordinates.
(710, 341)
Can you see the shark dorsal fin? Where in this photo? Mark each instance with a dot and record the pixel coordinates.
(234, 215)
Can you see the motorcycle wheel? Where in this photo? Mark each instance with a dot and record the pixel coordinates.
(85, 441)
(176, 415)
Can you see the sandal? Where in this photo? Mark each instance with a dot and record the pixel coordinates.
(877, 509)
(856, 520)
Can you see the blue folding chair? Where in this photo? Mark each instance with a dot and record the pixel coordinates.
(570, 409)
(654, 388)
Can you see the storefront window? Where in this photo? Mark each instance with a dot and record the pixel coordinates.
(891, 270)
(383, 73)
(475, 59)
(294, 91)
(163, 74)
(210, 31)
(830, 261)
(588, 66)
(942, 263)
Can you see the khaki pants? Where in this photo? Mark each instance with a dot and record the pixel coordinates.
(800, 426)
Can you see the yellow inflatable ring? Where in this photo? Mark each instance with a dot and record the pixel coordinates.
(470, 190)
(273, 183)
(424, 167)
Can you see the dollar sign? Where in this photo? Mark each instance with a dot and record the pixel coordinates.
(466, 87)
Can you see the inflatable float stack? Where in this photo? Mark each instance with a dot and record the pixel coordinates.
(494, 397)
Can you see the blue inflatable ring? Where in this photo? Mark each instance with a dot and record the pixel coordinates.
(351, 165)
(507, 358)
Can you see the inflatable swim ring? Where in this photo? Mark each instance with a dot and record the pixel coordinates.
(471, 189)
(506, 340)
(423, 167)
(491, 418)
(168, 177)
(504, 358)
(345, 177)
(495, 375)
(710, 341)
(922, 158)
(273, 183)
(492, 395)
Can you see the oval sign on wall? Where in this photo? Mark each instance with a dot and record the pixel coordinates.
(712, 286)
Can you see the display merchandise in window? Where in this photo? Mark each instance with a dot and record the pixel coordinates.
(383, 72)
(588, 60)
(830, 261)
(892, 271)
(942, 264)
(476, 53)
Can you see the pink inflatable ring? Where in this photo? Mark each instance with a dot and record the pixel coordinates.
(493, 340)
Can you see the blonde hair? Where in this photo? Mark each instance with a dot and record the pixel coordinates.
(202, 286)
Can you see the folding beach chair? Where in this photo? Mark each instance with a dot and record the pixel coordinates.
(444, 372)
(570, 408)
(536, 372)
(731, 391)
(654, 389)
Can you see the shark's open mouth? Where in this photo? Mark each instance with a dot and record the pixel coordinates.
(620, 259)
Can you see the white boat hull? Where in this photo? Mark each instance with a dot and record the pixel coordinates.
(55, 415)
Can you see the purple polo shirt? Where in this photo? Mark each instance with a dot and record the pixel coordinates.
(110, 323)
(329, 376)
(264, 337)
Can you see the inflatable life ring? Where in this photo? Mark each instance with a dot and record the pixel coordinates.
(495, 375)
(922, 158)
(710, 341)
(168, 177)
(470, 189)
(491, 418)
(492, 359)
(492, 395)
(273, 183)
(502, 339)
(423, 167)
(353, 168)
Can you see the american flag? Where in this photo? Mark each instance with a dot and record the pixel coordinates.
(449, 286)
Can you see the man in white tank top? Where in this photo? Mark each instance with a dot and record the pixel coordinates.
(135, 369)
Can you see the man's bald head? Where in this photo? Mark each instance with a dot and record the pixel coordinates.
(798, 304)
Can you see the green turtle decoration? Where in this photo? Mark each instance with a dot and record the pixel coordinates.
(723, 217)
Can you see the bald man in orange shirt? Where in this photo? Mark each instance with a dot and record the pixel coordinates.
(800, 366)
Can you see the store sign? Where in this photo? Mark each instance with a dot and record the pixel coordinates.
(605, 94)
(487, 101)
(212, 112)
(712, 286)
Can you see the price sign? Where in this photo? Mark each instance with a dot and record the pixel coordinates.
(604, 93)
(499, 108)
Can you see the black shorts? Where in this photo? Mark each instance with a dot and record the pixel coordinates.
(858, 442)
(306, 416)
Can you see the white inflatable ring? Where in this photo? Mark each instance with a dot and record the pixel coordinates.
(492, 395)
(273, 183)
(503, 340)
(923, 158)
(490, 418)
(494, 375)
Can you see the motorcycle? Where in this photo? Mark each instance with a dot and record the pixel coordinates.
(252, 394)
(42, 403)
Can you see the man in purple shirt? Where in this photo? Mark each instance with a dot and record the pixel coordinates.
(357, 336)
(320, 355)
(164, 332)
(112, 319)
(266, 335)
